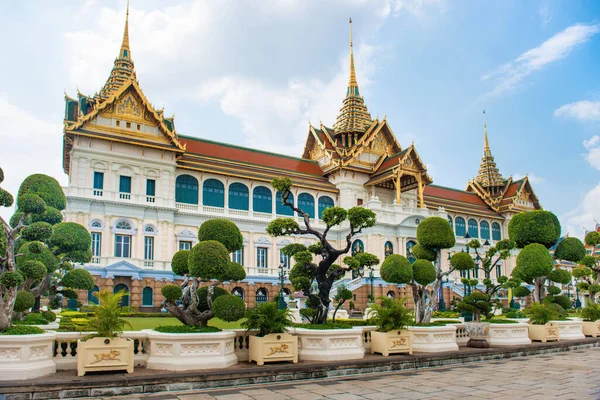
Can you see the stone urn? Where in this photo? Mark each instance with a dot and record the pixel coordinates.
(478, 333)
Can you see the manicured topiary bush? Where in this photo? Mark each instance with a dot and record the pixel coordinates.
(554, 290)
(179, 263)
(49, 316)
(563, 301)
(171, 292)
(229, 308)
(570, 248)
(540, 226)
(396, 269)
(203, 296)
(22, 330)
(78, 279)
(24, 301)
(223, 231)
(591, 312)
(424, 253)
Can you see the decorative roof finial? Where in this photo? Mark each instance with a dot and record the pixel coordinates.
(352, 82)
(486, 145)
(125, 52)
(488, 175)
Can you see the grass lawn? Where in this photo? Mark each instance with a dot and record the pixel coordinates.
(137, 324)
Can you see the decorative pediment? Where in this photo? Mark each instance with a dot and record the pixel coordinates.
(129, 106)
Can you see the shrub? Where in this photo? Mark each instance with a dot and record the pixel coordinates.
(424, 253)
(477, 303)
(223, 231)
(541, 314)
(49, 316)
(570, 249)
(554, 290)
(563, 301)
(424, 272)
(537, 226)
(267, 319)
(534, 261)
(521, 291)
(37, 231)
(390, 314)
(187, 329)
(36, 251)
(33, 270)
(45, 187)
(462, 261)
(179, 263)
(78, 279)
(24, 301)
(516, 314)
(560, 276)
(321, 327)
(203, 296)
(107, 321)
(171, 292)
(229, 308)
(446, 314)
(208, 260)
(435, 233)
(22, 330)
(73, 239)
(396, 269)
(35, 319)
(11, 279)
(591, 312)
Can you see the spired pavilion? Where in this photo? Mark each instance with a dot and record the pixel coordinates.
(142, 190)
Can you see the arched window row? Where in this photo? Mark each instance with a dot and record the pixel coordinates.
(476, 230)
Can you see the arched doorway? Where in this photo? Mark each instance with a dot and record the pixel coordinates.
(122, 287)
(262, 296)
(238, 291)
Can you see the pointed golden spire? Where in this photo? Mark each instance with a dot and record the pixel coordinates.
(352, 81)
(125, 51)
(488, 175)
(486, 145)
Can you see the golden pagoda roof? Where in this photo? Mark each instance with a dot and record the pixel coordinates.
(354, 116)
(488, 175)
(123, 68)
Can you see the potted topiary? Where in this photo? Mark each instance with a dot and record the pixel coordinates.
(540, 327)
(391, 318)
(105, 350)
(476, 303)
(272, 342)
(591, 320)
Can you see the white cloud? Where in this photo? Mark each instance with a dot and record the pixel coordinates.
(593, 155)
(583, 215)
(580, 110)
(532, 177)
(418, 8)
(508, 76)
(35, 147)
(545, 14)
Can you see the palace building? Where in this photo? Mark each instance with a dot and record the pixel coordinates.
(142, 189)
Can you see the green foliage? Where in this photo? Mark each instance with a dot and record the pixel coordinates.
(209, 260)
(360, 218)
(366, 260)
(235, 272)
(538, 226)
(541, 313)
(179, 262)
(282, 185)
(33, 270)
(223, 231)
(334, 216)
(554, 290)
(49, 316)
(343, 294)
(45, 187)
(24, 301)
(477, 303)
(291, 249)
(267, 319)
(592, 238)
(390, 314)
(17, 217)
(435, 233)
(22, 330)
(2, 242)
(186, 329)
(229, 308)
(107, 321)
(521, 291)
(69, 293)
(202, 294)
(51, 216)
(563, 301)
(78, 279)
(533, 261)
(40, 231)
(424, 253)
(593, 289)
(6, 199)
(36, 251)
(570, 249)
(396, 269)
(12, 279)
(560, 276)
(516, 314)
(322, 327)
(581, 272)
(35, 319)
(588, 261)
(171, 292)
(462, 261)
(591, 312)
(424, 272)
(283, 227)
(30, 203)
(446, 314)
(72, 240)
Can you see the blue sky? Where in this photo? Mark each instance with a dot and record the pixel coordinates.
(255, 73)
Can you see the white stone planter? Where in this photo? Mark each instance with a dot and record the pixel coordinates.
(273, 347)
(26, 356)
(461, 319)
(570, 330)
(591, 328)
(330, 344)
(433, 339)
(544, 333)
(369, 313)
(505, 335)
(341, 314)
(104, 354)
(295, 316)
(191, 351)
(394, 342)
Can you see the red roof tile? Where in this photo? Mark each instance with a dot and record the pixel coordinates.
(454, 194)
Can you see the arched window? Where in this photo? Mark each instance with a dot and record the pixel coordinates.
(92, 299)
(122, 287)
(96, 224)
(409, 254)
(286, 291)
(281, 209)
(391, 294)
(473, 229)
(147, 297)
(461, 228)
(484, 227)
(186, 189)
(450, 222)
(357, 247)
(262, 200)
(306, 202)
(123, 225)
(238, 196)
(324, 203)
(262, 296)
(388, 249)
(213, 193)
(238, 291)
(496, 231)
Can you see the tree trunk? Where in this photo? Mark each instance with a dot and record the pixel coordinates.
(418, 293)
(538, 294)
(435, 292)
(336, 309)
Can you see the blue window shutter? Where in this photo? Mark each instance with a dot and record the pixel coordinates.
(186, 189)
(125, 184)
(150, 187)
(98, 180)
(484, 227)
(147, 297)
(461, 228)
(306, 203)
(213, 193)
(473, 229)
(238, 196)
(262, 200)
(324, 203)
(281, 209)
(496, 231)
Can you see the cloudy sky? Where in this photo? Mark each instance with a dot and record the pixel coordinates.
(255, 73)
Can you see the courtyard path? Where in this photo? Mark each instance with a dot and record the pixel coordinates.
(565, 375)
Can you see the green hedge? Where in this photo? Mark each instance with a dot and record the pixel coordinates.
(186, 329)
(328, 325)
(22, 330)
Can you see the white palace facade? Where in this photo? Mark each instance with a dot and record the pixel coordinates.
(142, 190)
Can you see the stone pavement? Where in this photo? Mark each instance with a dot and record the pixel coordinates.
(565, 375)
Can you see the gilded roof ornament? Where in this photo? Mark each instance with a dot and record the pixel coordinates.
(488, 175)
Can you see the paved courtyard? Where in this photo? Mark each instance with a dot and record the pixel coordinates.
(566, 375)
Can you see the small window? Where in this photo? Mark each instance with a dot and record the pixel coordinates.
(185, 245)
(125, 184)
(149, 228)
(261, 257)
(96, 244)
(238, 256)
(122, 246)
(98, 180)
(123, 225)
(150, 187)
(118, 123)
(148, 248)
(128, 125)
(284, 260)
(359, 202)
(96, 224)
(139, 127)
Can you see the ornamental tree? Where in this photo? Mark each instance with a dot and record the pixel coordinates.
(37, 250)
(343, 294)
(587, 274)
(324, 272)
(488, 260)
(534, 232)
(207, 261)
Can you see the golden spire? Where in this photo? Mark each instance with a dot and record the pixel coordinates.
(125, 51)
(488, 175)
(354, 116)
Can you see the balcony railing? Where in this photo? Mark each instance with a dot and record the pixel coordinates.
(150, 199)
(124, 196)
(97, 192)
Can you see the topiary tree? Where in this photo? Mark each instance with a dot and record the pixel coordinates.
(208, 261)
(535, 232)
(37, 250)
(325, 272)
(587, 273)
(488, 260)
(343, 294)
(477, 303)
